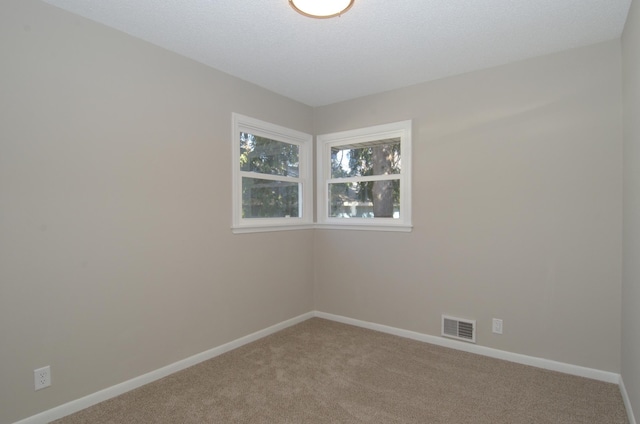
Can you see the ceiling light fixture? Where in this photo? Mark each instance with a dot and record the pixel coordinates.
(321, 8)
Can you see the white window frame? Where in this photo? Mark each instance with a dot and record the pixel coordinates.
(325, 142)
(241, 123)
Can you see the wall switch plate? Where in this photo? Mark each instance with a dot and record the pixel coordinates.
(497, 326)
(42, 377)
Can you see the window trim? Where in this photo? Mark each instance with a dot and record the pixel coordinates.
(325, 142)
(241, 123)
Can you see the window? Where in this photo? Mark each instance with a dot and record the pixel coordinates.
(364, 178)
(271, 177)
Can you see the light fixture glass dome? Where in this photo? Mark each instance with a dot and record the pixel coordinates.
(321, 8)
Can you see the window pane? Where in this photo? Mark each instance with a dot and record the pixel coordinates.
(372, 199)
(269, 199)
(381, 157)
(266, 156)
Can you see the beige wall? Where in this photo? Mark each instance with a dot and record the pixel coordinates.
(517, 188)
(631, 242)
(116, 254)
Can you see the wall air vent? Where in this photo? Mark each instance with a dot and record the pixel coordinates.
(458, 328)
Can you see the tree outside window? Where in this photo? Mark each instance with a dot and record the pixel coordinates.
(364, 178)
(272, 177)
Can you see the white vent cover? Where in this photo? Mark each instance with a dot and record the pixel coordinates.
(458, 328)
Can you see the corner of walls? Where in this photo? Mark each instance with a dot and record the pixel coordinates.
(630, 316)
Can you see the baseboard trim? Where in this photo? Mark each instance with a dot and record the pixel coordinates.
(627, 402)
(547, 364)
(113, 391)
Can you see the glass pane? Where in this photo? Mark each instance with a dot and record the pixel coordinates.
(266, 156)
(372, 199)
(381, 157)
(269, 199)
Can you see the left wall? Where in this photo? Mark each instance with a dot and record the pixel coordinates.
(116, 255)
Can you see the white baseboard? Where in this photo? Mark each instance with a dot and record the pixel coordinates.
(547, 364)
(134, 383)
(605, 376)
(118, 389)
(627, 402)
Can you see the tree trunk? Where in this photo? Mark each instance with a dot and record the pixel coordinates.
(382, 191)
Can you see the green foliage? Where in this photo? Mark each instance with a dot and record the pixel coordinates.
(267, 198)
(368, 159)
(266, 156)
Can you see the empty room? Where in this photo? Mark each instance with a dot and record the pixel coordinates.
(272, 212)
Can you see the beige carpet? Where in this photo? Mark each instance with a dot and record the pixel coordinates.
(325, 372)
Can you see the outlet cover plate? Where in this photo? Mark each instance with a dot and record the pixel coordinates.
(42, 377)
(497, 326)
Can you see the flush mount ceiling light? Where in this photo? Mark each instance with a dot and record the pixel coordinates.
(321, 8)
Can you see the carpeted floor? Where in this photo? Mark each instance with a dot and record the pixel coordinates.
(321, 371)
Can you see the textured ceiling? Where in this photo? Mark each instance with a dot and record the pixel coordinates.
(378, 45)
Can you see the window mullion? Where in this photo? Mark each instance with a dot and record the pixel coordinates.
(346, 180)
(259, 176)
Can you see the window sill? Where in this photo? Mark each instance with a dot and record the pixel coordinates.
(270, 228)
(364, 227)
(342, 227)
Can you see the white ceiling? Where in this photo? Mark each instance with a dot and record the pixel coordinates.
(378, 45)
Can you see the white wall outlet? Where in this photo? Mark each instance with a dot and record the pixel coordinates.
(497, 326)
(42, 377)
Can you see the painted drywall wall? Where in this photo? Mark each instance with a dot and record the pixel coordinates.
(631, 208)
(517, 176)
(116, 254)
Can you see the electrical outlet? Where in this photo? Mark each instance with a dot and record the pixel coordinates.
(497, 326)
(42, 377)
